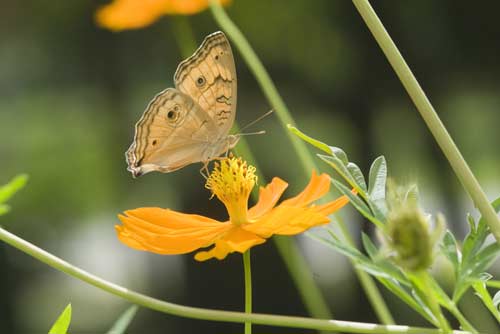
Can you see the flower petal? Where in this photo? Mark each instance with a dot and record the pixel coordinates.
(317, 187)
(236, 240)
(286, 220)
(330, 207)
(130, 14)
(134, 14)
(188, 7)
(268, 197)
(168, 232)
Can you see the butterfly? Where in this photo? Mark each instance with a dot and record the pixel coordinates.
(189, 123)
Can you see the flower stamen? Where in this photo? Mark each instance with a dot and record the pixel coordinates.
(232, 181)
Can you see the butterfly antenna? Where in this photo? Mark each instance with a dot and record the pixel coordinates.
(251, 133)
(257, 120)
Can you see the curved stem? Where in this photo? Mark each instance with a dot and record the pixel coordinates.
(183, 33)
(315, 300)
(248, 289)
(264, 80)
(429, 115)
(204, 314)
(464, 323)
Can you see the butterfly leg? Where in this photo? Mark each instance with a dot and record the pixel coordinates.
(204, 170)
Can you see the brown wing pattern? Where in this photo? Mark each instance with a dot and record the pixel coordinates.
(209, 78)
(172, 132)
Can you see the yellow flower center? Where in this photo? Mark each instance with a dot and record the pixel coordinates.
(232, 181)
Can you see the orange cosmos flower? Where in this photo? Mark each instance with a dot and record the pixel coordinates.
(165, 231)
(133, 14)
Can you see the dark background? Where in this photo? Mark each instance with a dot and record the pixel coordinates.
(70, 94)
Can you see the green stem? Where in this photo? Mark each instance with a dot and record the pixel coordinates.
(429, 115)
(204, 314)
(294, 261)
(423, 287)
(299, 271)
(248, 289)
(183, 33)
(305, 158)
(493, 283)
(464, 323)
(264, 81)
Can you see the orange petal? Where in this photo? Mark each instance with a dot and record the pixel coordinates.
(169, 219)
(168, 232)
(268, 197)
(133, 14)
(317, 187)
(130, 14)
(286, 220)
(330, 207)
(188, 7)
(236, 240)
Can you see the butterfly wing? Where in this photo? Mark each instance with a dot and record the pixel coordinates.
(209, 78)
(173, 132)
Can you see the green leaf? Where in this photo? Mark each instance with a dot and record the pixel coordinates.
(8, 190)
(369, 246)
(496, 299)
(316, 143)
(485, 277)
(377, 178)
(357, 203)
(339, 167)
(474, 241)
(472, 223)
(408, 298)
(411, 195)
(421, 300)
(123, 321)
(339, 153)
(384, 275)
(62, 323)
(381, 268)
(485, 297)
(374, 270)
(340, 246)
(376, 184)
(483, 260)
(449, 247)
(357, 175)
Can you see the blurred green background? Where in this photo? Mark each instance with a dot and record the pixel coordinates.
(70, 94)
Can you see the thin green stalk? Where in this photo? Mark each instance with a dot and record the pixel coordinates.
(305, 158)
(429, 115)
(464, 323)
(493, 283)
(294, 261)
(248, 289)
(264, 81)
(205, 314)
(421, 279)
(183, 33)
(301, 275)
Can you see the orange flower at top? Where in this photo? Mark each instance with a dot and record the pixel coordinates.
(164, 231)
(134, 14)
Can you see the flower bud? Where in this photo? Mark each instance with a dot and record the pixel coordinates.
(409, 238)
